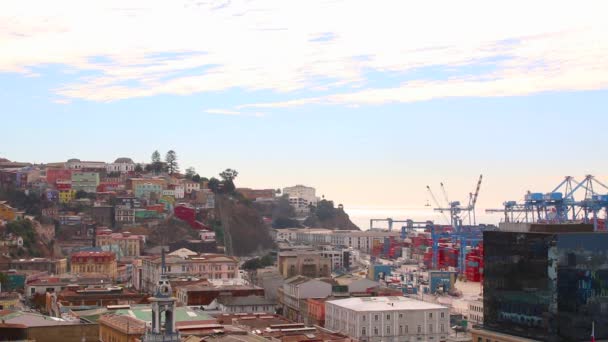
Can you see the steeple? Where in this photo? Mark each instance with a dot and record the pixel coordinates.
(163, 307)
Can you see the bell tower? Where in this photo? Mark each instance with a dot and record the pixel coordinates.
(163, 308)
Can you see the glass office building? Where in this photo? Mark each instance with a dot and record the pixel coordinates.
(546, 286)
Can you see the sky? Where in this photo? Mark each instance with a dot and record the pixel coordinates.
(368, 102)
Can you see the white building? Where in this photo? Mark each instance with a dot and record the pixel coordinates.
(341, 258)
(475, 312)
(77, 164)
(190, 186)
(388, 319)
(122, 165)
(359, 240)
(295, 291)
(300, 197)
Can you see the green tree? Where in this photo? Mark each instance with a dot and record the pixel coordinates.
(155, 157)
(81, 194)
(214, 185)
(196, 178)
(157, 164)
(171, 161)
(325, 209)
(138, 168)
(228, 177)
(190, 172)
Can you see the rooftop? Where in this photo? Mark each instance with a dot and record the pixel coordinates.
(122, 323)
(30, 319)
(245, 300)
(93, 253)
(181, 314)
(384, 304)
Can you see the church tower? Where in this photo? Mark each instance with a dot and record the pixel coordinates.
(163, 308)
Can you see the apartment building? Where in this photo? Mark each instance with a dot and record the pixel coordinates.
(127, 244)
(360, 240)
(378, 319)
(295, 292)
(307, 263)
(94, 263)
(206, 265)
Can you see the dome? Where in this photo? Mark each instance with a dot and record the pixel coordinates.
(74, 160)
(124, 161)
(4, 160)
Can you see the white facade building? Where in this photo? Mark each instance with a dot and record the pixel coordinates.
(359, 240)
(122, 165)
(190, 186)
(388, 319)
(300, 197)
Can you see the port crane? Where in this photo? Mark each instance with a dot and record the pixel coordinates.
(455, 208)
(561, 205)
(388, 220)
(468, 235)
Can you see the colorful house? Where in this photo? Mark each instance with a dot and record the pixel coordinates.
(7, 213)
(144, 190)
(85, 181)
(65, 196)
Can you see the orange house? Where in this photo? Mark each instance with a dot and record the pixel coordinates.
(7, 213)
(316, 311)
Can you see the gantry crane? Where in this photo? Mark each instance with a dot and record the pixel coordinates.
(560, 205)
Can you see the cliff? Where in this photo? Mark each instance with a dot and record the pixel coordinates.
(244, 230)
(338, 220)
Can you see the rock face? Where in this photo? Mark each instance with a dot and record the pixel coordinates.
(244, 230)
(339, 220)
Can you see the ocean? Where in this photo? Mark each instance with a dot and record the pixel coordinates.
(361, 216)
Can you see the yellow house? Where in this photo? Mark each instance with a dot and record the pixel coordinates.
(65, 196)
(9, 301)
(7, 213)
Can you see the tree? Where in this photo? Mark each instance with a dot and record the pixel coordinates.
(157, 164)
(196, 178)
(171, 160)
(214, 185)
(325, 209)
(155, 157)
(190, 172)
(81, 194)
(229, 175)
(138, 168)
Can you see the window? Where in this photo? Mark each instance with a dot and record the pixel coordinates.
(363, 318)
(376, 331)
(419, 329)
(400, 315)
(442, 315)
(375, 317)
(400, 329)
(388, 316)
(388, 329)
(430, 315)
(406, 328)
(430, 328)
(363, 331)
(442, 328)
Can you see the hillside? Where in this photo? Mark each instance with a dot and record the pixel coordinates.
(325, 215)
(244, 230)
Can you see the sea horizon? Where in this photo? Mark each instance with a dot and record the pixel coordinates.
(361, 215)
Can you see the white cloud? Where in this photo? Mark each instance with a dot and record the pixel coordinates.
(234, 112)
(185, 47)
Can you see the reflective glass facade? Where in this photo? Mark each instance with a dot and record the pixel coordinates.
(546, 286)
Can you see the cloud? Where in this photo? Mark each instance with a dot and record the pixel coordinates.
(234, 112)
(150, 48)
(62, 101)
